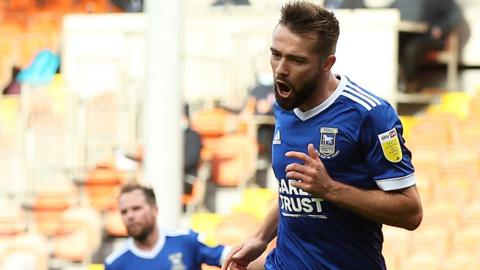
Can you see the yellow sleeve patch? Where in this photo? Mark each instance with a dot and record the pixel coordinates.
(391, 145)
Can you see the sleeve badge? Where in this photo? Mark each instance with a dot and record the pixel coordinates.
(391, 145)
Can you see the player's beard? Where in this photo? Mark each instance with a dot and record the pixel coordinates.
(298, 95)
(142, 234)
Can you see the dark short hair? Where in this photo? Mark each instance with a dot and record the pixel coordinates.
(305, 18)
(147, 191)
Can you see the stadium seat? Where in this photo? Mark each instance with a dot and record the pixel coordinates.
(12, 222)
(102, 186)
(27, 252)
(114, 225)
(441, 212)
(235, 228)
(11, 155)
(441, 126)
(407, 123)
(214, 122)
(470, 214)
(391, 260)
(460, 261)
(427, 161)
(110, 123)
(467, 239)
(434, 239)
(395, 241)
(420, 261)
(234, 160)
(474, 106)
(95, 266)
(424, 183)
(47, 208)
(462, 158)
(78, 235)
(205, 223)
(422, 134)
(20, 5)
(456, 103)
(196, 198)
(470, 132)
(6, 59)
(257, 201)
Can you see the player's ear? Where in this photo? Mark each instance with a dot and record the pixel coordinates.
(327, 64)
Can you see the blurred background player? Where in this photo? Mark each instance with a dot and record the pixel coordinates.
(150, 247)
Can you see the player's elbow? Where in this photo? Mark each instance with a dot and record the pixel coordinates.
(414, 220)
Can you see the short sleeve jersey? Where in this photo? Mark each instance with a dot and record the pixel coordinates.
(175, 250)
(359, 139)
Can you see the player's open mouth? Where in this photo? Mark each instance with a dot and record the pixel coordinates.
(283, 89)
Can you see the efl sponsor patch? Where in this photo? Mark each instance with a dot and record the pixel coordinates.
(391, 145)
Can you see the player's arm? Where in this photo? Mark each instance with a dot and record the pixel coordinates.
(243, 254)
(399, 208)
(268, 231)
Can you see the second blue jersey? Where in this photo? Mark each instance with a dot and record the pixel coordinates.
(359, 139)
(175, 250)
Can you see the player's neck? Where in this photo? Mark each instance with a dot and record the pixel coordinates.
(324, 90)
(149, 242)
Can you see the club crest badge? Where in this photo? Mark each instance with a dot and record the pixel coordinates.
(177, 262)
(276, 138)
(327, 142)
(391, 145)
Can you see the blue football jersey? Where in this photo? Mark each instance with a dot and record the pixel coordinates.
(175, 250)
(359, 139)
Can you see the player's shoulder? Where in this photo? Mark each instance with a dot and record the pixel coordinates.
(361, 99)
(176, 232)
(179, 233)
(117, 255)
(184, 237)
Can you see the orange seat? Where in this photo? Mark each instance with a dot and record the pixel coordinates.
(12, 221)
(234, 160)
(235, 228)
(196, 198)
(438, 129)
(462, 158)
(102, 186)
(214, 122)
(114, 225)
(48, 207)
(21, 5)
(78, 235)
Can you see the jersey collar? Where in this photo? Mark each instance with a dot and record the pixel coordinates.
(147, 254)
(325, 104)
